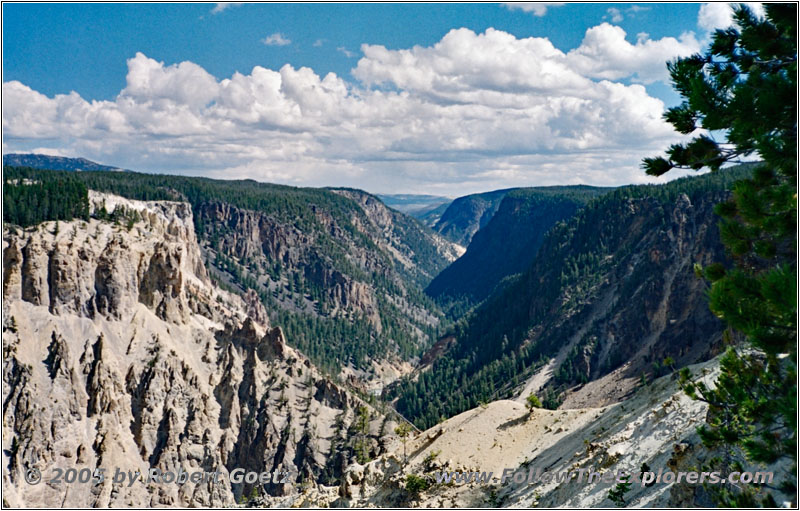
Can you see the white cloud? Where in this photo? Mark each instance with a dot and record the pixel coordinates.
(318, 43)
(50, 151)
(535, 8)
(344, 51)
(221, 6)
(472, 112)
(185, 83)
(276, 39)
(614, 14)
(720, 15)
(605, 53)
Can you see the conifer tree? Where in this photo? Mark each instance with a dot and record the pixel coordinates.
(745, 88)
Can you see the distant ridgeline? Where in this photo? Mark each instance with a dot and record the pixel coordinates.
(506, 244)
(612, 284)
(322, 267)
(43, 161)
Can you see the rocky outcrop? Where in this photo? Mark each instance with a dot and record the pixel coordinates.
(100, 269)
(258, 238)
(120, 354)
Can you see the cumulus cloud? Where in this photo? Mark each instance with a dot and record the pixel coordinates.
(605, 53)
(276, 39)
(720, 15)
(535, 8)
(186, 83)
(471, 112)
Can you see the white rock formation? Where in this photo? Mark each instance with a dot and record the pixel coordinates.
(119, 353)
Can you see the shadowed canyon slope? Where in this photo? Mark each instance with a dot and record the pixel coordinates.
(507, 243)
(465, 215)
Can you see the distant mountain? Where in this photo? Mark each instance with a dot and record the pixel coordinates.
(465, 215)
(507, 244)
(43, 161)
(415, 205)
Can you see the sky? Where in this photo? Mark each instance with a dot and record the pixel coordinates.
(444, 99)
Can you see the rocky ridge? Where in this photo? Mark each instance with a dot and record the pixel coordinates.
(120, 353)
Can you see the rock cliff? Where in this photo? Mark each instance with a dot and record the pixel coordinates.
(120, 353)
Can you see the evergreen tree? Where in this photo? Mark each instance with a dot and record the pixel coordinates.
(362, 428)
(403, 430)
(531, 402)
(617, 493)
(745, 86)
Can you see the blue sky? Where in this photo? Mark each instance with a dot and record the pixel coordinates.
(123, 72)
(56, 48)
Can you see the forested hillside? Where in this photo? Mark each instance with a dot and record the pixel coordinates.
(507, 244)
(611, 286)
(29, 200)
(339, 271)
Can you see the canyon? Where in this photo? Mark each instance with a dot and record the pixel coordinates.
(215, 329)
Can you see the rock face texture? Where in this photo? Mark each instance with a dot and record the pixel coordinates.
(418, 251)
(645, 304)
(346, 261)
(120, 355)
(255, 236)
